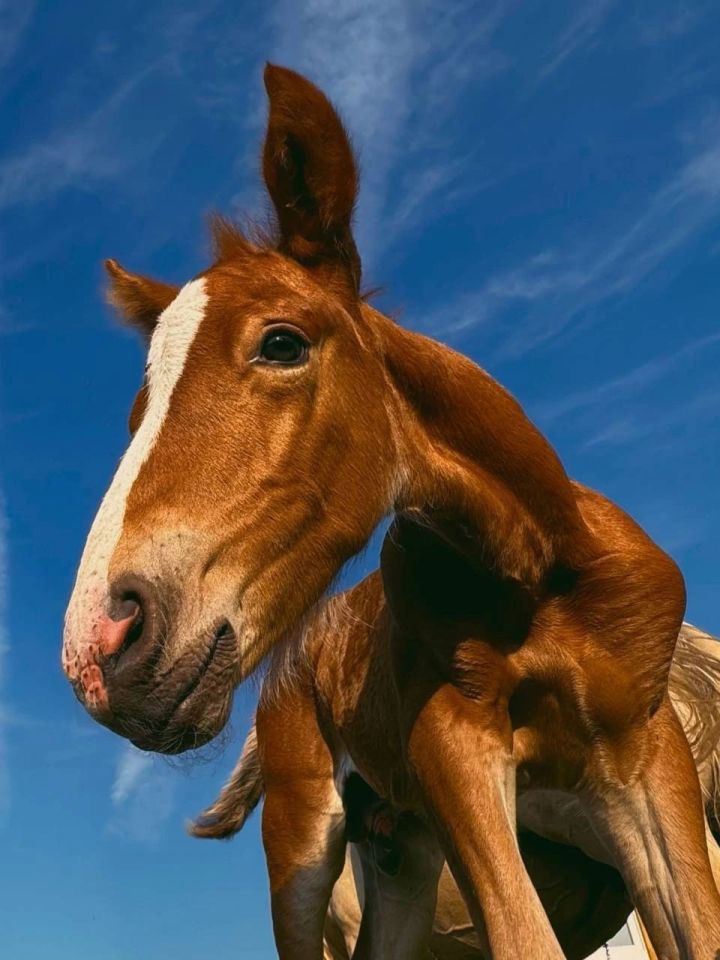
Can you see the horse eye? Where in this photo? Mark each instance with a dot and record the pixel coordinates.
(284, 347)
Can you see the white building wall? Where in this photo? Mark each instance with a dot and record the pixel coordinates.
(627, 944)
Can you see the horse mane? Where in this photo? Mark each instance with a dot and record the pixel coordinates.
(695, 691)
(289, 665)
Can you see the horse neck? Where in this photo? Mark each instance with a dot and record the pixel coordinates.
(473, 465)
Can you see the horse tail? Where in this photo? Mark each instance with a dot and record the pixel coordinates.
(695, 692)
(238, 798)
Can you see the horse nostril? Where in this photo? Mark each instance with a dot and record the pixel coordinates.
(128, 618)
(133, 619)
(125, 608)
(120, 627)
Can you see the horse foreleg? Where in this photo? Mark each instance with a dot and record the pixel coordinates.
(399, 907)
(303, 828)
(655, 829)
(463, 764)
(304, 853)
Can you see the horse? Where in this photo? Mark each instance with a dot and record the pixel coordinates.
(531, 622)
(584, 898)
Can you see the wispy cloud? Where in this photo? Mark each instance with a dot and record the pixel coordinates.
(580, 33)
(394, 68)
(657, 24)
(4, 720)
(132, 768)
(106, 136)
(559, 287)
(15, 17)
(142, 795)
(642, 409)
(80, 156)
(619, 388)
(687, 421)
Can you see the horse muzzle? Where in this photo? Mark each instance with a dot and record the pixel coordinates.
(124, 680)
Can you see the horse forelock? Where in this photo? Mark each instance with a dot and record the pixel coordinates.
(232, 240)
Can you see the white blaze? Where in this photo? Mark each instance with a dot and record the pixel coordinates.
(171, 341)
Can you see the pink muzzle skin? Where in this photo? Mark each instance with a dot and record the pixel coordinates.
(84, 667)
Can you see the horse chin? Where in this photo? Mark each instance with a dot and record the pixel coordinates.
(178, 737)
(194, 723)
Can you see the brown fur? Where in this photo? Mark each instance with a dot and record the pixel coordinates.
(530, 624)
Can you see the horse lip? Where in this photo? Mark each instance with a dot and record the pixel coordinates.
(176, 729)
(223, 636)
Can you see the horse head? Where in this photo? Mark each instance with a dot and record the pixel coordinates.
(258, 460)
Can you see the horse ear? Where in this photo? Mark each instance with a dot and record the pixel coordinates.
(310, 174)
(139, 300)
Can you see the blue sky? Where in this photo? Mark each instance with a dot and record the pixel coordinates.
(541, 190)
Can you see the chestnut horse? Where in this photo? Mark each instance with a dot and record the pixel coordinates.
(531, 622)
(585, 899)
